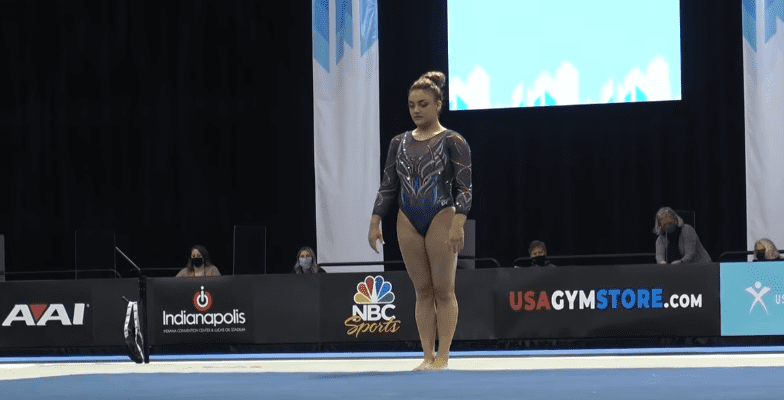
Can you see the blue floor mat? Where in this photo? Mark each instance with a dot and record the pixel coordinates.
(760, 383)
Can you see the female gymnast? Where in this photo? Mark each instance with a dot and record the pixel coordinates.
(425, 164)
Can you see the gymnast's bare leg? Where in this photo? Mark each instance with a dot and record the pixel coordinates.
(414, 252)
(443, 264)
(431, 263)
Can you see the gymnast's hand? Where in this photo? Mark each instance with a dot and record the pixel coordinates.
(456, 234)
(374, 234)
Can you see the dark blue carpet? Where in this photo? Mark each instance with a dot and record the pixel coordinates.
(604, 384)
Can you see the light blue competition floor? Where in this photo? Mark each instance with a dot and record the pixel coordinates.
(755, 373)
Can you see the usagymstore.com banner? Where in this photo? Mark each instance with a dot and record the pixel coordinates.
(607, 301)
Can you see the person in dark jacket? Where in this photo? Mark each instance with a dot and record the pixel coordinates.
(199, 264)
(538, 252)
(677, 242)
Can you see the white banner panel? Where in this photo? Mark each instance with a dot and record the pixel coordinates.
(763, 71)
(346, 128)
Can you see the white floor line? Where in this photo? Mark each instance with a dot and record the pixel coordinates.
(39, 370)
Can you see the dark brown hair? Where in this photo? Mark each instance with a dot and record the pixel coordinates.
(205, 255)
(433, 82)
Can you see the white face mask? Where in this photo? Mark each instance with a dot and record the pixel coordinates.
(304, 261)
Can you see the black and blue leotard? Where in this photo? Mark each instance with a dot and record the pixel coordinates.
(425, 172)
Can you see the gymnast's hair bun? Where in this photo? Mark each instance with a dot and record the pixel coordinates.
(437, 77)
(432, 81)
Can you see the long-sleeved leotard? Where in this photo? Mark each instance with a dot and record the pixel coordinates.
(425, 171)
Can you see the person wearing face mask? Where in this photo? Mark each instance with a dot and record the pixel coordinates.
(199, 264)
(306, 262)
(765, 250)
(538, 252)
(676, 242)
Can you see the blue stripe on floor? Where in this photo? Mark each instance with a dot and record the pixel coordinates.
(407, 354)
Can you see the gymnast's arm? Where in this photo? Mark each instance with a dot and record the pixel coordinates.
(386, 193)
(460, 157)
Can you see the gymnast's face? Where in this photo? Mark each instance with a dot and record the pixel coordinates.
(423, 107)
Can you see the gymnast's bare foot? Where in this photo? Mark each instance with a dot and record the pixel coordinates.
(425, 366)
(440, 363)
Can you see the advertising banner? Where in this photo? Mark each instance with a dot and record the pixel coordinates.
(367, 307)
(200, 310)
(381, 307)
(608, 301)
(752, 298)
(64, 313)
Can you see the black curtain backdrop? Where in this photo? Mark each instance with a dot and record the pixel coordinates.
(170, 122)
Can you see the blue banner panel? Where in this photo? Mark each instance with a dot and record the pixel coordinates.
(752, 298)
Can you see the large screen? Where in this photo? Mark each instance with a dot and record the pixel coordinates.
(529, 53)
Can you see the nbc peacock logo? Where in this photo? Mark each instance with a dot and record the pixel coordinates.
(373, 308)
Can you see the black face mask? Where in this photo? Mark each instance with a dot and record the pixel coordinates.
(760, 255)
(197, 261)
(539, 260)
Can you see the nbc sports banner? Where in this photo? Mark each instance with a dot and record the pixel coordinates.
(763, 76)
(346, 127)
(367, 307)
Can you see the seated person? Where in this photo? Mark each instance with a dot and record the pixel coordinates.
(199, 264)
(676, 242)
(538, 252)
(306, 262)
(765, 250)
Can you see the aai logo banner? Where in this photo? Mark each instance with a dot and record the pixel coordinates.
(752, 298)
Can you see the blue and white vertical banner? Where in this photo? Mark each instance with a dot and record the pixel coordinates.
(763, 72)
(346, 127)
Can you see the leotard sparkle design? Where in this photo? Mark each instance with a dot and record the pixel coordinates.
(426, 171)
